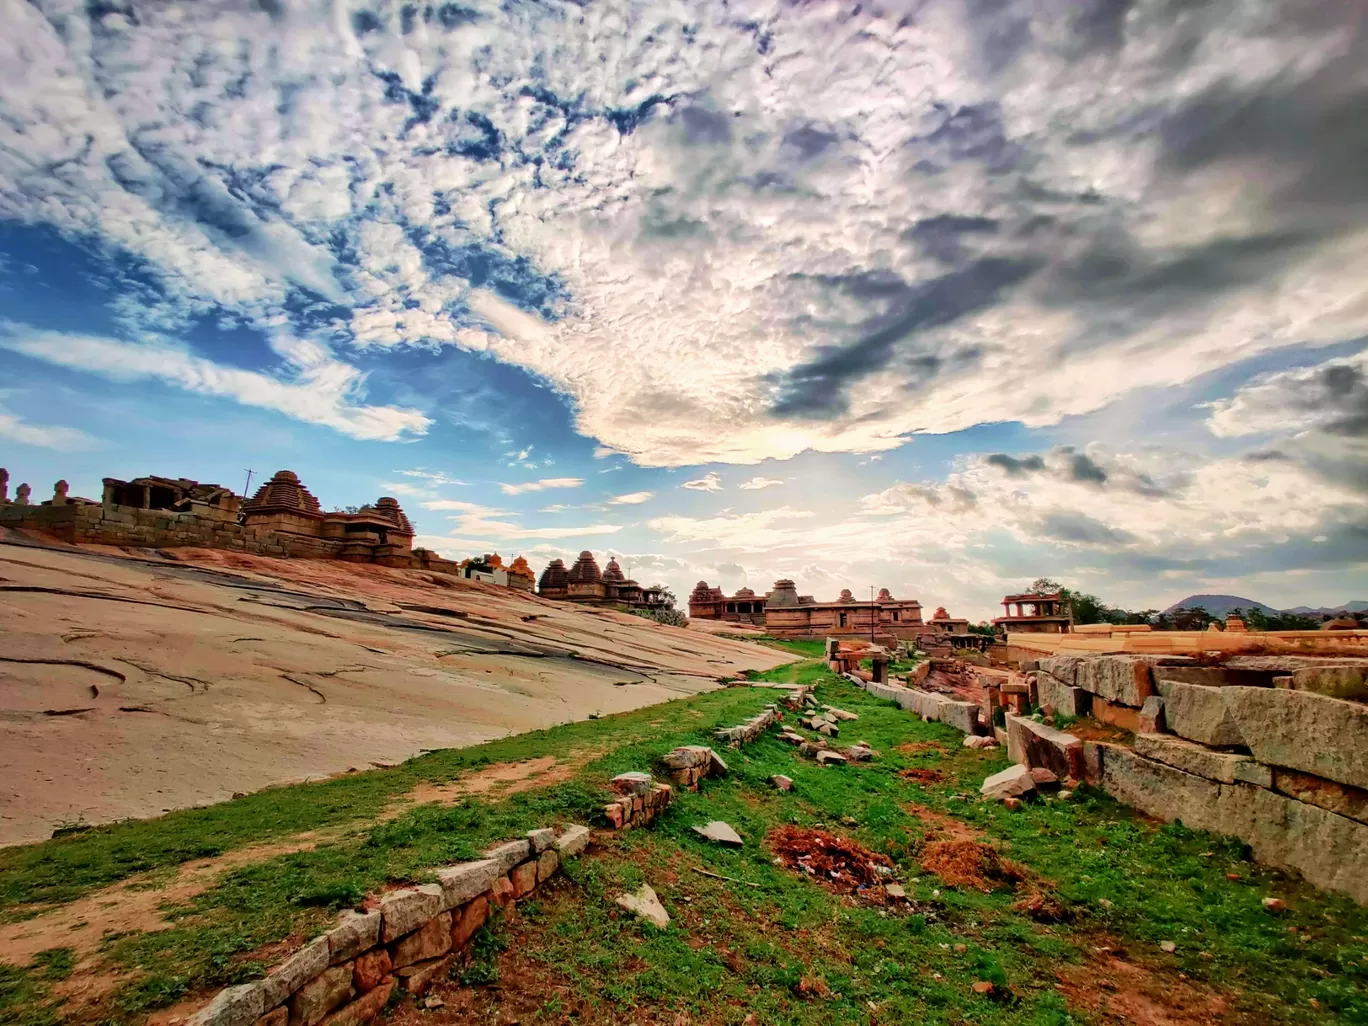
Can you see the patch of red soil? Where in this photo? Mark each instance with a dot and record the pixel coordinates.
(835, 862)
(968, 863)
(1119, 992)
(922, 776)
(1043, 908)
(921, 748)
(943, 826)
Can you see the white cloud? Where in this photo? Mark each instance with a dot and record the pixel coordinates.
(1331, 396)
(45, 436)
(433, 477)
(709, 482)
(323, 391)
(630, 499)
(757, 483)
(542, 485)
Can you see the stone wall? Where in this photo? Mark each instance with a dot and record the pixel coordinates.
(410, 938)
(691, 763)
(640, 799)
(747, 732)
(963, 716)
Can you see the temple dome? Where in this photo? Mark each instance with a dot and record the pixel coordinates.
(885, 595)
(940, 614)
(613, 572)
(389, 508)
(519, 566)
(745, 593)
(554, 576)
(846, 596)
(284, 493)
(585, 570)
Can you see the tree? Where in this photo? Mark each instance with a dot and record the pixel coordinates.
(1043, 586)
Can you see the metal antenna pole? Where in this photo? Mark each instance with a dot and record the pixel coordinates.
(872, 614)
(247, 488)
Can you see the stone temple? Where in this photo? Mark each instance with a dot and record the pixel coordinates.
(585, 583)
(786, 614)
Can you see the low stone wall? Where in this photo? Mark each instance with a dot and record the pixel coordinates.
(691, 763)
(640, 799)
(347, 976)
(747, 732)
(963, 716)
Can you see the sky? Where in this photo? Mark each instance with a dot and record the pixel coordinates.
(934, 295)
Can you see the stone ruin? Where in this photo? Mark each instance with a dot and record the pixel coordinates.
(585, 583)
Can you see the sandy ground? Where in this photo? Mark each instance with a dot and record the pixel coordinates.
(129, 687)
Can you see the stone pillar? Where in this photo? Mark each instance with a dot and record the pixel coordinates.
(59, 493)
(4, 486)
(21, 495)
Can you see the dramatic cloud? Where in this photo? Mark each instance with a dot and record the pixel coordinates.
(724, 234)
(542, 485)
(1331, 398)
(707, 483)
(322, 389)
(757, 483)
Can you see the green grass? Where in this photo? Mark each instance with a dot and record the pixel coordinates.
(733, 948)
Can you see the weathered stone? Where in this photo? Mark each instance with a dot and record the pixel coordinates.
(321, 995)
(353, 934)
(828, 729)
(364, 1008)
(716, 766)
(465, 921)
(407, 910)
(275, 1017)
(782, 782)
(826, 757)
(431, 940)
(615, 814)
(1152, 716)
(1341, 680)
(978, 741)
(859, 753)
(1118, 715)
(1327, 737)
(295, 971)
(841, 714)
(1122, 679)
(1198, 713)
(1327, 849)
(573, 840)
(631, 783)
(509, 854)
(462, 882)
(1035, 744)
(895, 891)
(541, 839)
(963, 716)
(547, 864)
(1216, 676)
(524, 879)
(416, 979)
(233, 1006)
(1012, 782)
(1043, 777)
(646, 904)
(720, 833)
(371, 970)
(1340, 799)
(1227, 767)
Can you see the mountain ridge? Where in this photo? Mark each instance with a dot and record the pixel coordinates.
(1221, 605)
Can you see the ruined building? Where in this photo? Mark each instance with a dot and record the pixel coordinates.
(786, 614)
(585, 583)
(1036, 614)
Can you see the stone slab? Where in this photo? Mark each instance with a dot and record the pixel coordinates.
(541, 839)
(646, 904)
(462, 882)
(354, 933)
(633, 783)
(1343, 680)
(297, 970)
(524, 878)
(1341, 799)
(232, 1006)
(1327, 737)
(720, 833)
(431, 940)
(318, 997)
(405, 911)
(364, 1008)
(1226, 767)
(573, 840)
(1199, 713)
(963, 716)
(1013, 782)
(1035, 744)
(509, 854)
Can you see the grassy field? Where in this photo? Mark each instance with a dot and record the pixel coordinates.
(1077, 939)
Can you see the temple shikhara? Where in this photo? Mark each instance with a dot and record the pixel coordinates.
(585, 583)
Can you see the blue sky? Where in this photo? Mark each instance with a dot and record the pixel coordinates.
(940, 296)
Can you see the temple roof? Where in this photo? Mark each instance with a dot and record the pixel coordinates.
(585, 570)
(613, 572)
(284, 493)
(389, 509)
(846, 596)
(885, 595)
(744, 593)
(554, 576)
(520, 568)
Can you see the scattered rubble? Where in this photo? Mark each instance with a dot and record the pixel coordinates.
(1013, 782)
(826, 757)
(646, 904)
(782, 782)
(979, 741)
(720, 833)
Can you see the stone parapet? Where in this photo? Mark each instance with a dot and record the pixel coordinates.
(640, 799)
(347, 976)
(747, 732)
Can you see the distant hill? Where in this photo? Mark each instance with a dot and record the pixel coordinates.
(1221, 605)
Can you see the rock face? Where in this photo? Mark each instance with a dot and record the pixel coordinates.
(1035, 744)
(1199, 713)
(1226, 767)
(1329, 850)
(1302, 730)
(1013, 782)
(645, 903)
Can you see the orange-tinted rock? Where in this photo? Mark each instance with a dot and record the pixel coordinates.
(433, 940)
(1117, 715)
(501, 893)
(467, 920)
(363, 1009)
(524, 879)
(371, 970)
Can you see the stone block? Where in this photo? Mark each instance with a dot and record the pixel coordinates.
(318, 997)
(1013, 782)
(297, 970)
(1216, 676)
(631, 783)
(407, 910)
(462, 882)
(524, 879)
(716, 766)
(233, 1006)
(687, 757)
(1152, 716)
(547, 864)
(1114, 713)
(572, 841)
(431, 940)
(354, 933)
(508, 855)
(1063, 699)
(1327, 737)
(1034, 744)
(963, 716)
(275, 1017)
(1199, 713)
(416, 979)
(1341, 799)
(370, 970)
(1344, 680)
(615, 814)
(540, 839)
(1329, 850)
(364, 1008)
(1190, 757)
(467, 920)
